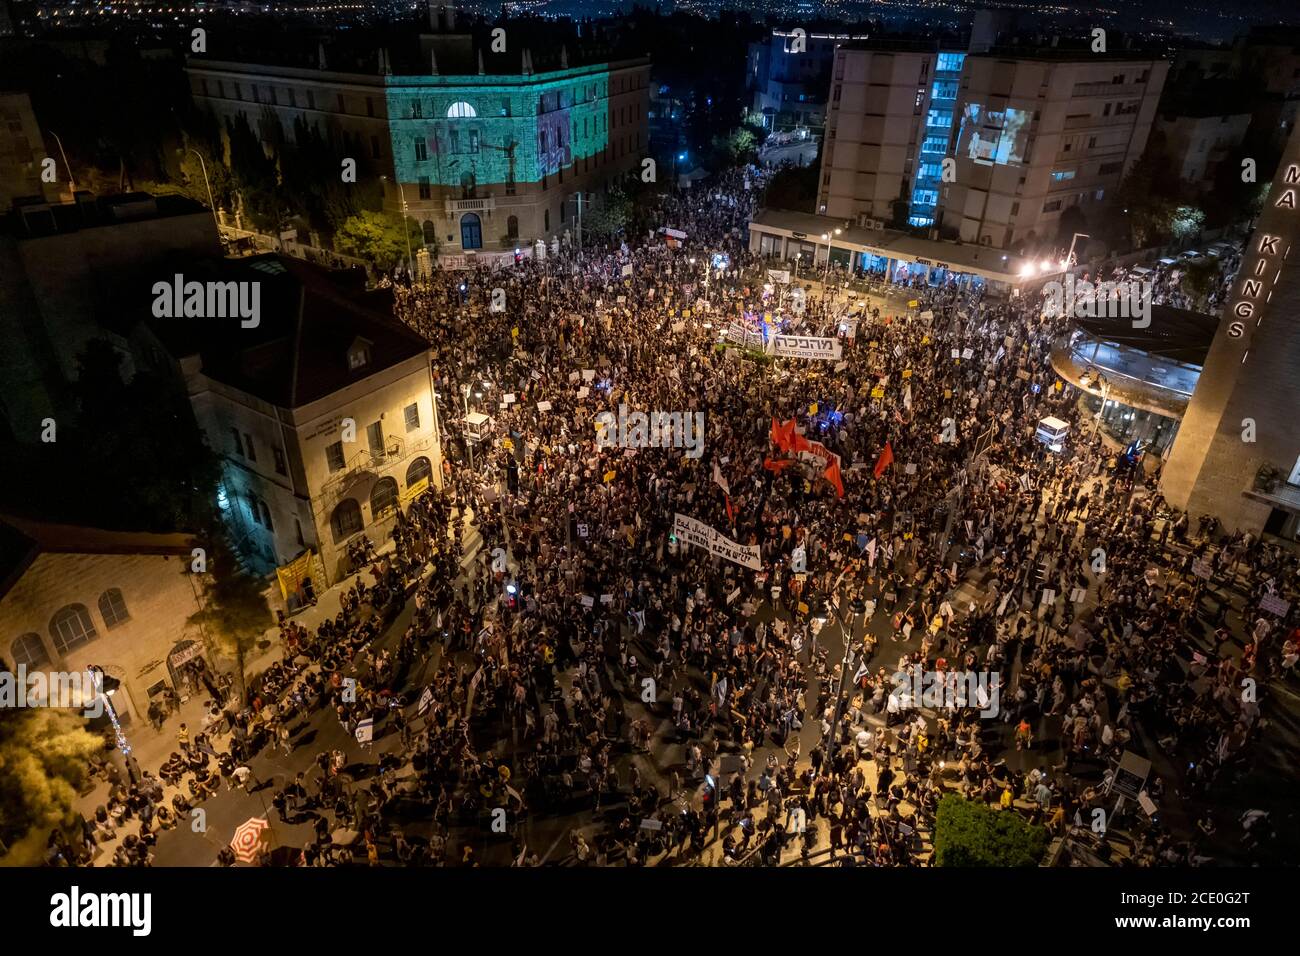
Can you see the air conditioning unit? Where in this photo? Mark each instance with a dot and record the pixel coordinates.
(866, 222)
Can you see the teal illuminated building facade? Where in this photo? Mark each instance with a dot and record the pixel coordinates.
(485, 161)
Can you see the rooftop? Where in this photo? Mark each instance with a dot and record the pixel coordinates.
(309, 319)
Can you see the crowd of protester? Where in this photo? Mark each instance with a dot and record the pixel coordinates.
(662, 697)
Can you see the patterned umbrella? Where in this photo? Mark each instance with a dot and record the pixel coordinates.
(248, 838)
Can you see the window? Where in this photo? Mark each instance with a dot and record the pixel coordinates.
(1061, 175)
(266, 515)
(346, 520)
(419, 470)
(248, 445)
(422, 150)
(1092, 142)
(239, 447)
(280, 467)
(1107, 168)
(512, 227)
(425, 190)
(29, 650)
(1105, 111)
(375, 438)
(473, 141)
(383, 498)
(358, 355)
(297, 528)
(461, 110)
(334, 456)
(71, 627)
(417, 110)
(546, 220)
(112, 608)
(412, 415)
(1052, 206)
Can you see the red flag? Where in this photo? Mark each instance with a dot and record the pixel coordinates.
(884, 461)
(832, 474)
(778, 434)
(797, 441)
(777, 464)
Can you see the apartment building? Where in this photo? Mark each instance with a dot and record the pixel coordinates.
(789, 74)
(877, 124)
(1030, 134)
(1035, 135)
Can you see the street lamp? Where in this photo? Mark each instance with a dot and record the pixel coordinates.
(72, 180)
(105, 687)
(469, 445)
(211, 203)
(406, 230)
(858, 608)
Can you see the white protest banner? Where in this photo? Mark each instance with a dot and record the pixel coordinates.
(607, 599)
(588, 374)
(967, 353)
(584, 392)
(927, 314)
(588, 601)
(806, 347)
(1274, 605)
(543, 406)
(778, 275)
(574, 377)
(1202, 569)
(508, 398)
(693, 531)
(742, 335)
(627, 269)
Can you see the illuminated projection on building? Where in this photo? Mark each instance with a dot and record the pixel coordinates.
(993, 137)
(465, 131)
(1270, 254)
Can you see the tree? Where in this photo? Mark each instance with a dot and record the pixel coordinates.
(608, 215)
(256, 177)
(967, 833)
(44, 756)
(153, 471)
(377, 238)
(234, 608)
(1199, 280)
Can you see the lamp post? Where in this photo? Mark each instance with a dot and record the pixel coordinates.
(857, 608)
(105, 688)
(406, 230)
(469, 445)
(72, 180)
(211, 203)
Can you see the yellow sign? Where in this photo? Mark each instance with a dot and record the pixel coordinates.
(1057, 386)
(803, 608)
(925, 340)
(913, 303)
(508, 444)
(292, 574)
(907, 373)
(686, 314)
(947, 393)
(877, 392)
(812, 409)
(609, 476)
(415, 490)
(514, 333)
(873, 344)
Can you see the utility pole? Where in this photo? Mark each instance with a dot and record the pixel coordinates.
(858, 608)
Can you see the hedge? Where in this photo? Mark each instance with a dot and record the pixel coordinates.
(967, 833)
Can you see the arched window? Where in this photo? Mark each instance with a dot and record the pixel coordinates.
(461, 110)
(346, 520)
(29, 649)
(383, 498)
(71, 627)
(266, 515)
(512, 227)
(419, 470)
(471, 231)
(113, 609)
(430, 230)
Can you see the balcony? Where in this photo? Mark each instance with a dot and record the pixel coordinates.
(454, 207)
